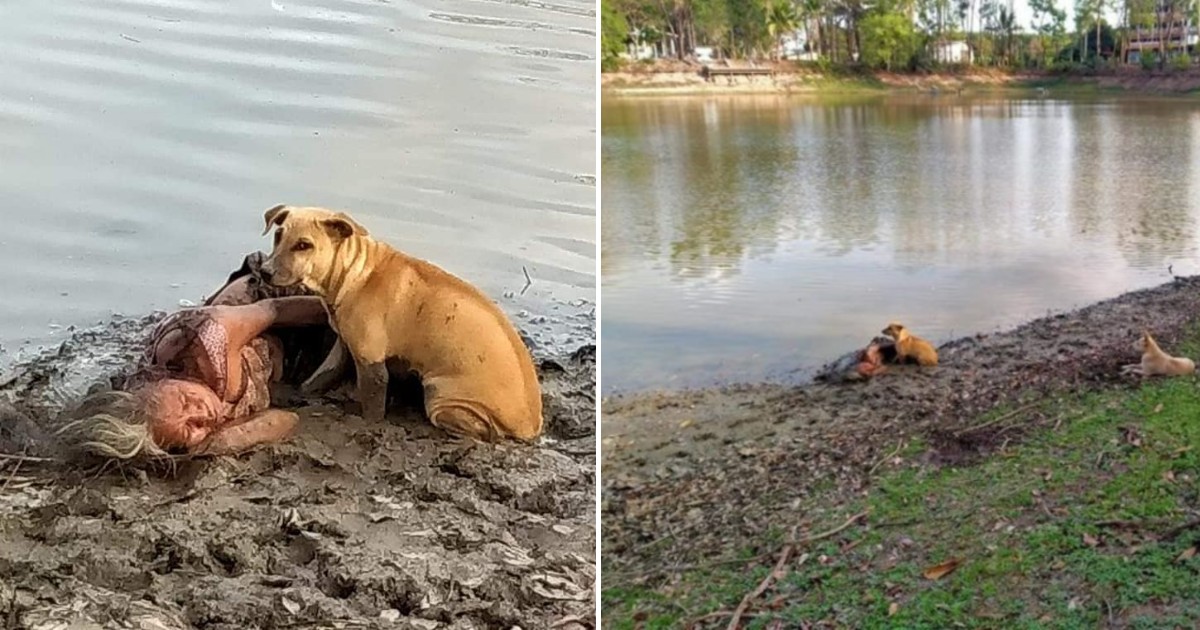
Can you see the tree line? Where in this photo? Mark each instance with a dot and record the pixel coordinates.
(896, 34)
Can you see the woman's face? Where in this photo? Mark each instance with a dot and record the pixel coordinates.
(180, 414)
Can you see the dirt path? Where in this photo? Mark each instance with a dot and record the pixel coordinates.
(348, 524)
(696, 474)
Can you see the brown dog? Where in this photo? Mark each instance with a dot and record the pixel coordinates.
(909, 347)
(1155, 362)
(392, 311)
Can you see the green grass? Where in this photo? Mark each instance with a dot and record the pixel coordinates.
(1030, 522)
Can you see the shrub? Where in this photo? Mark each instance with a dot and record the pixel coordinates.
(1149, 60)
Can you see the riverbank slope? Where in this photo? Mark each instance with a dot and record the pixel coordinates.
(679, 78)
(1064, 490)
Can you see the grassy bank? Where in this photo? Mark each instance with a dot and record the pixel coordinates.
(1087, 523)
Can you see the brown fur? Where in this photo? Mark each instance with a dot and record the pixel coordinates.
(390, 308)
(1155, 362)
(910, 347)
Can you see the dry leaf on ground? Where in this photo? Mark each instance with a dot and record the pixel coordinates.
(1090, 540)
(939, 571)
(1187, 553)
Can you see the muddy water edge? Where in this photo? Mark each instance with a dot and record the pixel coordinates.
(348, 524)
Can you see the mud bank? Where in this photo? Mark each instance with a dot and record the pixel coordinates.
(697, 473)
(347, 525)
(683, 79)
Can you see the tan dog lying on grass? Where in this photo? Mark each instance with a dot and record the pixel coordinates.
(1155, 362)
(910, 348)
(396, 313)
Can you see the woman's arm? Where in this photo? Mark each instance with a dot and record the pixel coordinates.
(264, 427)
(243, 323)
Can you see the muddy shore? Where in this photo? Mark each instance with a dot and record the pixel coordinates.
(677, 78)
(696, 474)
(346, 525)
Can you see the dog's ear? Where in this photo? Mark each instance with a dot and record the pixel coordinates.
(341, 225)
(274, 216)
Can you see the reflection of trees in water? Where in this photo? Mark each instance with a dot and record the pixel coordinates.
(632, 143)
(733, 191)
(710, 183)
(1133, 160)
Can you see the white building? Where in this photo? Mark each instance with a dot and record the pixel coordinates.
(951, 52)
(793, 47)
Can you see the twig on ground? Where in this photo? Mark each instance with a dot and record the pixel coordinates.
(762, 588)
(716, 614)
(886, 458)
(999, 418)
(528, 280)
(1123, 524)
(24, 458)
(13, 474)
(718, 563)
(1170, 534)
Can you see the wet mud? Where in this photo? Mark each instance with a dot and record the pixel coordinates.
(346, 525)
(696, 474)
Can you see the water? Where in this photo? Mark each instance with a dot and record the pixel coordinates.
(756, 237)
(141, 142)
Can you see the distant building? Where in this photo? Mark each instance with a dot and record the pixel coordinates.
(794, 45)
(951, 52)
(1173, 30)
(642, 45)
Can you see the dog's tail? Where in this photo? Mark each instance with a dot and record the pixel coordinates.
(110, 425)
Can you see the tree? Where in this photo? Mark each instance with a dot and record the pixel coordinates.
(1001, 23)
(711, 21)
(1139, 16)
(1048, 19)
(888, 39)
(810, 13)
(614, 31)
(781, 17)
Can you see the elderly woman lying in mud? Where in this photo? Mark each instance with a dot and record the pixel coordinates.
(203, 383)
(898, 345)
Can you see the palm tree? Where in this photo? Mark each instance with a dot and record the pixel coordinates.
(1006, 21)
(782, 17)
(811, 11)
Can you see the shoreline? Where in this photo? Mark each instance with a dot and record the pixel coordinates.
(679, 79)
(644, 431)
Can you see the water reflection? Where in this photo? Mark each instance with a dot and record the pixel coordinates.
(143, 140)
(750, 237)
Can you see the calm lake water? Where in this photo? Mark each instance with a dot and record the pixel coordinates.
(141, 141)
(756, 237)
